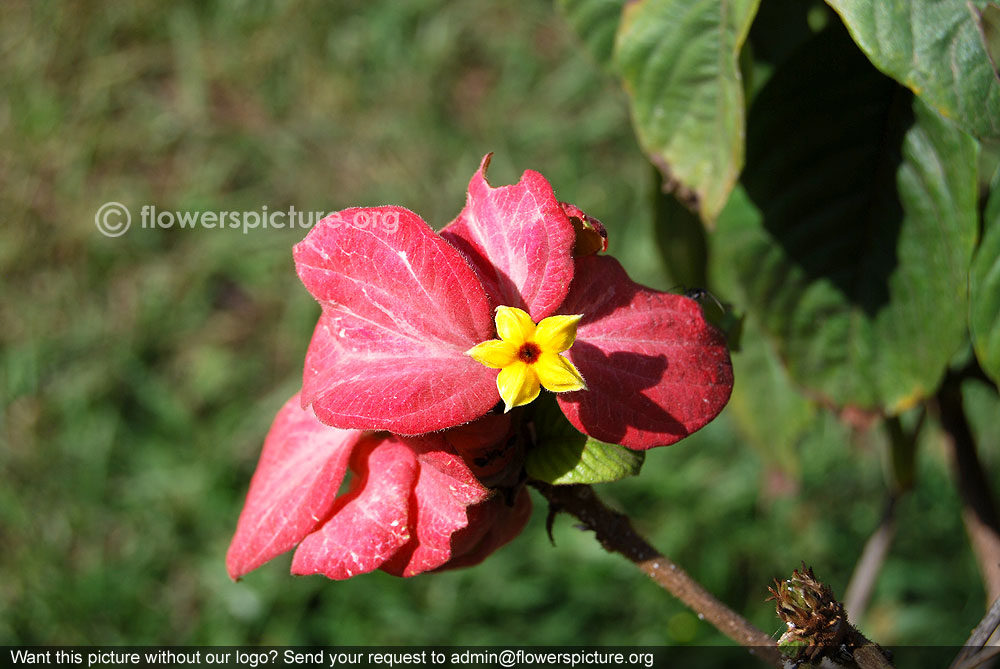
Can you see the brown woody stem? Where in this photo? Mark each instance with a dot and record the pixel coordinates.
(615, 532)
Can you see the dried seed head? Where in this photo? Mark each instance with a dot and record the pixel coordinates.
(817, 623)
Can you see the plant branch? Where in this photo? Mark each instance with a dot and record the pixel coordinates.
(975, 651)
(866, 572)
(979, 511)
(902, 473)
(615, 533)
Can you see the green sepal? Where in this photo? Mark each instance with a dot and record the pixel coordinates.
(563, 455)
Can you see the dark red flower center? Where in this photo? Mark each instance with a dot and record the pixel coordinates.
(529, 352)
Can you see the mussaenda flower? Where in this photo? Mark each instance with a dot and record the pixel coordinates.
(402, 305)
(421, 334)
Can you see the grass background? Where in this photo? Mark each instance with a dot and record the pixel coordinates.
(140, 373)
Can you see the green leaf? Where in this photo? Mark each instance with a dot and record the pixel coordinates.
(680, 63)
(563, 455)
(853, 237)
(934, 49)
(770, 411)
(988, 22)
(984, 287)
(982, 406)
(596, 22)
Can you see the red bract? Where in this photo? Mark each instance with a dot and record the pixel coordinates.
(404, 309)
(413, 505)
(402, 306)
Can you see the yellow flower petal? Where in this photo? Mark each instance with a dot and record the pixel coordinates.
(558, 374)
(556, 333)
(495, 353)
(514, 325)
(518, 384)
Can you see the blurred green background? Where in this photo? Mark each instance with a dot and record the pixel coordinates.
(140, 373)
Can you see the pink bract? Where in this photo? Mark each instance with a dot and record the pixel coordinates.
(401, 305)
(412, 505)
(400, 308)
(519, 240)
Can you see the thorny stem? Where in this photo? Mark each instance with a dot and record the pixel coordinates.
(615, 533)
(979, 510)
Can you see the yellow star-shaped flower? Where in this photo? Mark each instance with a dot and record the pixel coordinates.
(527, 356)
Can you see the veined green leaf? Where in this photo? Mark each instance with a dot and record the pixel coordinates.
(680, 63)
(564, 455)
(935, 49)
(768, 409)
(988, 22)
(852, 240)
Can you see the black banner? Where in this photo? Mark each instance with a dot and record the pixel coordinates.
(431, 657)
